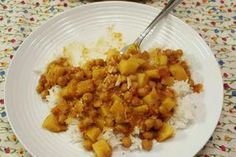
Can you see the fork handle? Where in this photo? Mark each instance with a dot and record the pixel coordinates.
(169, 7)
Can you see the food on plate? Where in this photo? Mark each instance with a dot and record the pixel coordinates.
(123, 93)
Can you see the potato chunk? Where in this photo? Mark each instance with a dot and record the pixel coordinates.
(178, 72)
(99, 73)
(153, 74)
(102, 148)
(51, 124)
(69, 90)
(100, 122)
(93, 133)
(165, 132)
(104, 110)
(151, 98)
(84, 87)
(163, 59)
(168, 103)
(141, 109)
(154, 59)
(117, 107)
(130, 66)
(142, 79)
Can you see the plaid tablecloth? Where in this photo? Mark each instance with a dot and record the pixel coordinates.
(214, 20)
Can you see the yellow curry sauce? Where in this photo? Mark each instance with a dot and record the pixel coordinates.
(122, 92)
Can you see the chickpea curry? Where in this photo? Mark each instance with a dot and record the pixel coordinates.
(122, 92)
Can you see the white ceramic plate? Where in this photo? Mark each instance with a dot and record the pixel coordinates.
(26, 111)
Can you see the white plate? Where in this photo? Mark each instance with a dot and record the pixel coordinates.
(26, 111)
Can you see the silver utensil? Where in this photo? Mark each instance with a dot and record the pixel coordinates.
(150, 28)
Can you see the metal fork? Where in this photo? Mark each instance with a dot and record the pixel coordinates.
(150, 28)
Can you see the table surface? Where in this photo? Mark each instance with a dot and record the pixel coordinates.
(214, 20)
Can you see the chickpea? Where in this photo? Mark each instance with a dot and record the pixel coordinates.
(87, 97)
(88, 145)
(147, 135)
(143, 92)
(136, 101)
(178, 53)
(97, 103)
(124, 87)
(169, 93)
(109, 122)
(133, 90)
(97, 82)
(191, 82)
(44, 94)
(155, 108)
(62, 81)
(86, 122)
(163, 110)
(121, 129)
(73, 113)
(152, 84)
(88, 74)
(147, 144)
(159, 86)
(42, 79)
(197, 88)
(99, 62)
(126, 142)
(92, 113)
(184, 65)
(164, 72)
(116, 58)
(80, 75)
(133, 77)
(104, 96)
(149, 123)
(158, 124)
(135, 84)
(167, 81)
(128, 96)
(119, 119)
(145, 55)
(40, 88)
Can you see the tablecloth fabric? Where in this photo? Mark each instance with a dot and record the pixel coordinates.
(214, 20)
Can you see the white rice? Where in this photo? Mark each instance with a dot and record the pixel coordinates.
(52, 98)
(114, 140)
(74, 133)
(182, 88)
(187, 102)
